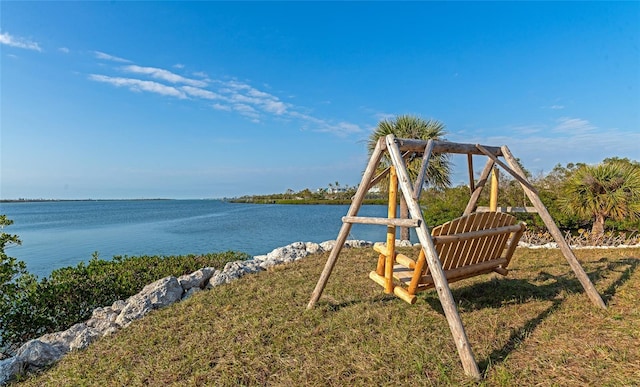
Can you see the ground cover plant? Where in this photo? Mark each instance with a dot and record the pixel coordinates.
(534, 327)
(32, 307)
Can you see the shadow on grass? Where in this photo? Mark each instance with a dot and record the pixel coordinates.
(626, 267)
(524, 292)
(499, 292)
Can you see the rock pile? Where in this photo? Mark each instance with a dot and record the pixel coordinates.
(48, 349)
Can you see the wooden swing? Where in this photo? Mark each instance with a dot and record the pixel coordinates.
(477, 243)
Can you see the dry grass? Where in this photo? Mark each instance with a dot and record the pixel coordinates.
(535, 327)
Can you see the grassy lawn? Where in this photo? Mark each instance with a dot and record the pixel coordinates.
(534, 327)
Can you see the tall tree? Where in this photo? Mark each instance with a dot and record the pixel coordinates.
(408, 126)
(607, 190)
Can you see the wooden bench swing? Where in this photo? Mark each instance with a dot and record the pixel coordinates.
(481, 241)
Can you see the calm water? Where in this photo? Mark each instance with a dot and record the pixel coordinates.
(58, 234)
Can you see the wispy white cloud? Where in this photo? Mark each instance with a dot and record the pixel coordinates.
(164, 75)
(246, 111)
(13, 41)
(139, 85)
(201, 74)
(573, 126)
(229, 95)
(103, 56)
(556, 107)
(384, 116)
(200, 93)
(64, 50)
(526, 130)
(246, 94)
(218, 106)
(567, 140)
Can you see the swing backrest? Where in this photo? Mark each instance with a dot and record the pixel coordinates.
(477, 238)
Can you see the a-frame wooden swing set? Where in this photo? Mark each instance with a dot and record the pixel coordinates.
(474, 244)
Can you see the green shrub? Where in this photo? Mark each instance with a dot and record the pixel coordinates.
(31, 308)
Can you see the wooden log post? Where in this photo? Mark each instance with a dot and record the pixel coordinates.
(346, 227)
(435, 267)
(472, 182)
(391, 232)
(493, 199)
(426, 157)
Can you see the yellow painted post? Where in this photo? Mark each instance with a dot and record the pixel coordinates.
(493, 201)
(391, 231)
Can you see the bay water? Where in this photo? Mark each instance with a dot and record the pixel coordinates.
(64, 233)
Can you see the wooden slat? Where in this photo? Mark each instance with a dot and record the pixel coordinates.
(473, 239)
(404, 274)
(508, 209)
(395, 222)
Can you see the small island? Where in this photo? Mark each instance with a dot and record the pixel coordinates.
(333, 194)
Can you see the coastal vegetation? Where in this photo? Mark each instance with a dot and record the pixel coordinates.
(31, 307)
(333, 194)
(533, 327)
(578, 196)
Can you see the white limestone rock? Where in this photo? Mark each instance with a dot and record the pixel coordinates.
(328, 245)
(35, 354)
(10, 368)
(198, 278)
(156, 295)
(313, 248)
(191, 292)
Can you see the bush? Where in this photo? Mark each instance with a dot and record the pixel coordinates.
(31, 308)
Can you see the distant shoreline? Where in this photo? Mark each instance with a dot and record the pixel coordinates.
(72, 200)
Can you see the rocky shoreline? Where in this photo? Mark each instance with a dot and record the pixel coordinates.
(46, 350)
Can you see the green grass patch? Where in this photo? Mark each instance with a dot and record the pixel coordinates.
(534, 327)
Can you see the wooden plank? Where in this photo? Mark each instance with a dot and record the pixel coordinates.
(396, 222)
(555, 232)
(346, 227)
(404, 274)
(442, 239)
(418, 146)
(442, 287)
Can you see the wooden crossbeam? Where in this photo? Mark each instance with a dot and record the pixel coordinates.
(396, 222)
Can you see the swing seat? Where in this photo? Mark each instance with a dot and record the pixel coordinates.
(468, 246)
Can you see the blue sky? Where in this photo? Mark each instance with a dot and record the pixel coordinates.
(210, 99)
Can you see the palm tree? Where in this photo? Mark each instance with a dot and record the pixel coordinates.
(408, 126)
(607, 190)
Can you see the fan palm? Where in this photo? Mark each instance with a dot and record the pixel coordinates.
(408, 126)
(607, 190)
